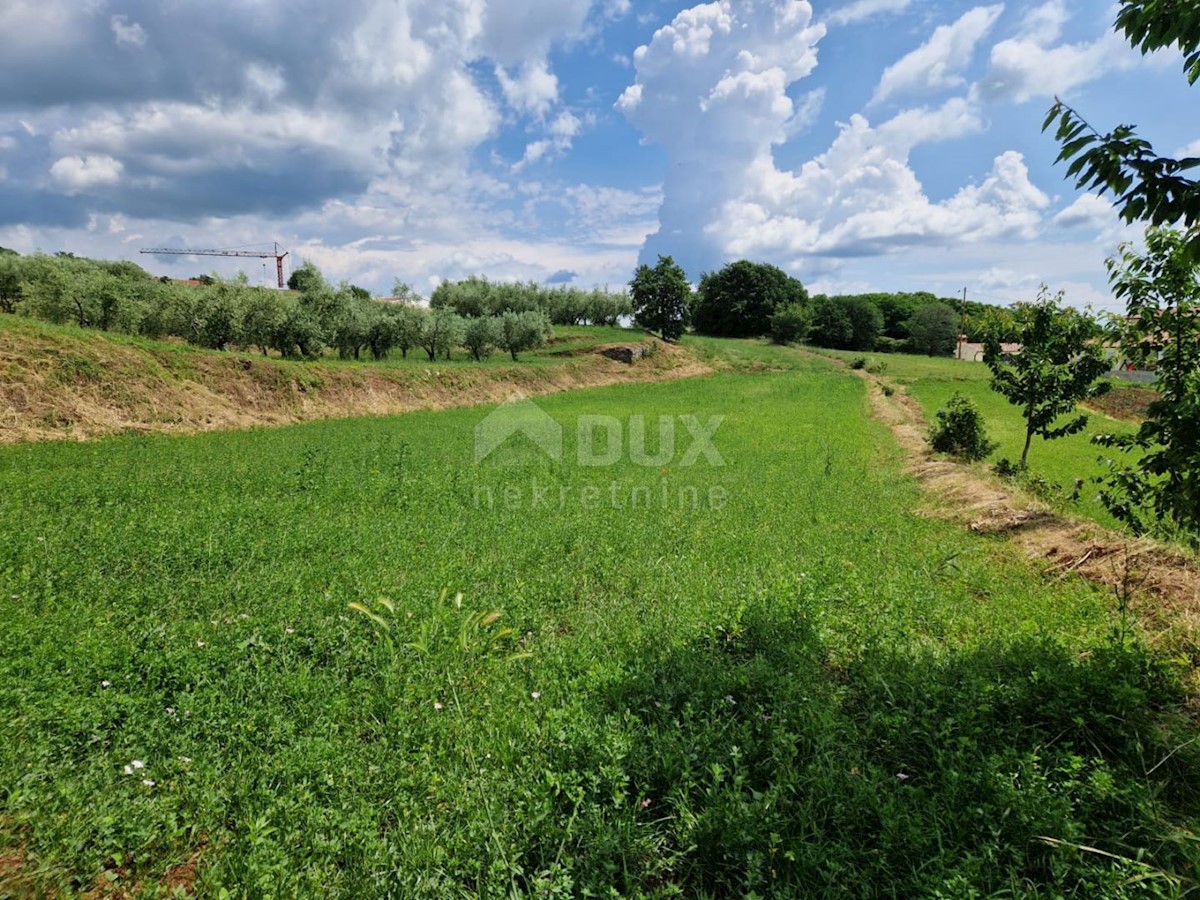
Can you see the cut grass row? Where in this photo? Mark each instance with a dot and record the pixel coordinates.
(803, 689)
(933, 381)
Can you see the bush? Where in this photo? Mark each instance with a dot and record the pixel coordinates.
(887, 344)
(959, 431)
(859, 362)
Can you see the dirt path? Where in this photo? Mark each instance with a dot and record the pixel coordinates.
(1160, 582)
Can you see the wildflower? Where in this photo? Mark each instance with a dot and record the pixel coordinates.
(201, 644)
(536, 695)
(148, 782)
(729, 699)
(132, 767)
(187, 760)
(289, 630)
(170, 710)
(902, 776)
(646, 803)
(437, 705)
(106, 683)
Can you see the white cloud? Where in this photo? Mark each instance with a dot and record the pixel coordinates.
(861, 196)
(936, 65)
(1088, 211)
(533, 90)
(712, 89)
(561, 133)
(1190, 150)
(1023, 68)
(127, 35)
(1043, 24)
(74, 174)
(861, 10)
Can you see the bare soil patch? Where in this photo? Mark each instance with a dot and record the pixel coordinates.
(1128, 404)
(56, 387)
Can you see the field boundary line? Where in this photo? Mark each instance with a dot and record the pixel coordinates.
(1162, 581)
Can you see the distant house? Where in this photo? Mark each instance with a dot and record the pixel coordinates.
(974, 352)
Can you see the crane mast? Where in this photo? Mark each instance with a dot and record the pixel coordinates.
(276, 255)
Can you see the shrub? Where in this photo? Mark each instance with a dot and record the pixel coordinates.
(859, 362)
(959, 430)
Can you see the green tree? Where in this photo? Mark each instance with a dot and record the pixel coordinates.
(407, 324)
(10, 282)
(223, 313)
(520, 331)
(299, 334)
(660, 298)
(263, 312)
(790, 324)
(933, 329)
(846, 323)
(1160, 488)
(307, 278)
(739, 300)
(441, 332)
(1144, 185)
(1058, 365)
(481, 336)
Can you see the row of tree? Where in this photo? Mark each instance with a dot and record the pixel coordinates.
(748, 299)
(221, 314)
(476, 297)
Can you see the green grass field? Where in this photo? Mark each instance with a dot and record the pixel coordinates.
(932, 381)
(763, 678)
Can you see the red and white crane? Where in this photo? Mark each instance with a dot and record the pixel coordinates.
(257, 254)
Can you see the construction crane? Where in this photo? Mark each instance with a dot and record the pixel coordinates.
(276, 255)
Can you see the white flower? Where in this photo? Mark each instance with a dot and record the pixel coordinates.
(902, 776)
(106, 683)
(170, 710)
(138, 764)
(289, 630)
(437, 705)
(128, 770)
(148, 782)
(186, 759)
(201, 644)
(536, 695)
(729, 699)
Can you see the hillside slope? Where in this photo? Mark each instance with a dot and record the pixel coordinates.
(66, 383)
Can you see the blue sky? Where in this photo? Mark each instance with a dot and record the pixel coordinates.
(858, 144)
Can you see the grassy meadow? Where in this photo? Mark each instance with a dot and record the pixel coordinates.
(932, 381)
(767, 677)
